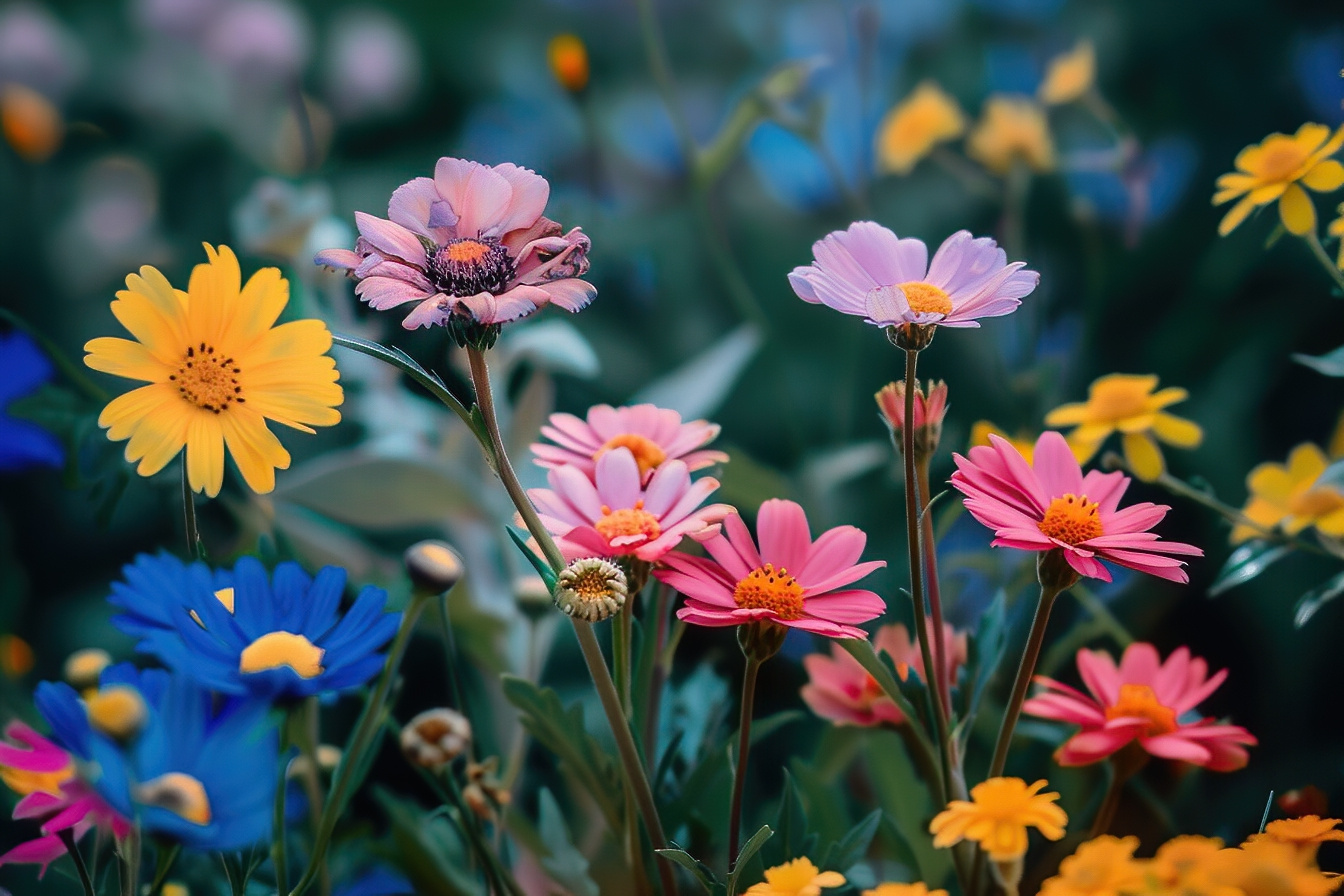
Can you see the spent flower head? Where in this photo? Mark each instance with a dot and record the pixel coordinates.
(1283, 168)
(591, 589)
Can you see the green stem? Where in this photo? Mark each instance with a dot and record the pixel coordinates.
(662, 78)
(941, 685)
(1025, 668)
(189, 513)
(407, 366)
(1314, 243)
(68, 838)
(662, 667)
(309, 735)
(130, 863)
(743, 749)
(621, 635)
(166, 859)
(279, 854)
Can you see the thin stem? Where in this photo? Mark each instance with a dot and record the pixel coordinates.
(68, 368)
(1025, 668)
(68, 838)
(403, 363)
(661, 70)
(189, 513)
(279, 855)
(130, 863)
(308, 729)
(743, 749)
(941, 685)
(1124, 764)
(621, 635)
(661, 669)
(1314, 243)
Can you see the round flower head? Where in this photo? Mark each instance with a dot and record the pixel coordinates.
(591, 589)
(866, 270)
(1287, 496)
(796, 878)
(283, 638)
(1270, 868)
(1049, 504)
(790, 580)
(1280, 167)
(652, 434)
(218, 368)
(470, 248)
(1104, 866)
(997, 817)
(1142, 701)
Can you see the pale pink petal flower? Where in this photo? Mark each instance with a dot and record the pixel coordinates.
(791, 580)
(653, 435)
(1146, 701)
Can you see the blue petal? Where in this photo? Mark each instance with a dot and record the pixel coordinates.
(24, 444)
(23, 366)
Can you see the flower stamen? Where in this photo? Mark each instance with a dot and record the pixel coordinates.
(767, 588)
(646, 451)
(925, 298)
(468, 266)
(1138, 701)
(276, 649)
(179, 793)
(207, 379)
(1072, 519)
(627, 526)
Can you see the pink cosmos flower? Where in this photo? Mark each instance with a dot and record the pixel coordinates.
(867, 270)
(44, 775)
(652, 434)
(617, 514)
(791, 579)
(1050, 504)
(1142, 701)
(470, 247)
(841, 690)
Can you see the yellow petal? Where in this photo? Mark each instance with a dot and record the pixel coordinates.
(1143, 456)
(205, 453)
(1324, 177)
(1271, 482)
(1167, 396)
(1092, 433)
(1068, 415)
(122, 357)
(213, 294)
(1136, 423)
(257, 308)
(158, 437)
(1306, 462)
(1235, 216)
(1296, 211)
(296, 339)
(154, 313)
(1268, 193)
(254, 448)
(1177, 431)
(1333, 144)
(123, 413)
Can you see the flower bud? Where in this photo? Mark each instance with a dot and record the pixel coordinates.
(328, 757)
(591, 589)
(912, 337)
(433, 566)
(568, 59)
(1054, 572)
(930, 407)
(533, 597)
(435, 738)
(761, 639)
(118, 711)
(83, 667)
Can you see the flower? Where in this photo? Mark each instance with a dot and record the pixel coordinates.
(471, 248)
(792, 580)
(1104, 866)
(652, 434)
(591, 589)
(868, 271)
(1306, 833)
(567, 58)
(1069, 75)
(1127, 403)
(997, 817)
(1270, 868)
(1278, 167)
(913, 127)
(1025, 444)
(218, 368)
(16, 656)
(918, 888)
(797, 878)
(30, 122)
(238, 633)
(929, 409)
(1182, 866)
(436, 737)
(616, 514)
(201, 771)
(1011, 129)
(1143, 701)
(23, 370)
(1287, 497)
(840, 689)
(1049, 504)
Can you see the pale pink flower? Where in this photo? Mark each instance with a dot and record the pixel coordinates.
(868, 271)
(470, 247)
(1050, 504)
(617, 514)
(790, 580)
(841, 690)
(1142, 701)
(653, 435)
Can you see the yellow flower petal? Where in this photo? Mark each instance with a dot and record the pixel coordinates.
(122, 357)
(1324, 177)
(1143, 456)
(1296, 211)
(205, 453)
(1069, 75)
(258, 307)
(1177, 431)
(1235, 216)
(254, 448)
(1068, 414)
(214, 289)
(912, 128)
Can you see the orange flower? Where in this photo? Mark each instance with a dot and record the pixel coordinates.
(1279, 167)
(797, 878)
(1102, 867)
(997, 817)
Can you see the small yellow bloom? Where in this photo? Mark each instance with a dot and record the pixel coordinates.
(568, 58)
(1270, 868)
(1336, 229)
(1025, 444)
(1127, 403)
(1278, 168)
(218, 368)
(1287, 496)
(895, 889)
(997, 817)
(911, 129)
(30, 123)
(797, 878)
(1182, 864)
(1011, 129)
(1306, 833)
(1102, 867)
(1069, 75)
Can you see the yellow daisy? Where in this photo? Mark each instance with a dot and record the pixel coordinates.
(1127, 403)
(797, 878)
(1287, 496)
(1069, 75)
(896, 889)
(218, 368)
(912, 128)
(1011, 128)
(1278, 168)
(1269, 868)
(1307, 833)
(997, 817)
(1104, 866)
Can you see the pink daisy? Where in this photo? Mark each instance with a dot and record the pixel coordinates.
(617, 514)
(470, 247)
(1050, 504)
(841, 690)
(652, 434)
(791, 580)
(1142, 701)
(867, 270)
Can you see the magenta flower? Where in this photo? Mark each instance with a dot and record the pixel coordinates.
(471, 248)
(652, 434)
(617, 514)
(790, 580)
(867, 270)
(1049, 504)
(1142, 701)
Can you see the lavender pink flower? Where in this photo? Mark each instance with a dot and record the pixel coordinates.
(653, 435)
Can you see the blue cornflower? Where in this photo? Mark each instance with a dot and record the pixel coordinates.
(238, 633)
(23, 368)
(160, 748)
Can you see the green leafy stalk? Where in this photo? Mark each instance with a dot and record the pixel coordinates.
(68, 838)
(743, 750)
(1314, 243)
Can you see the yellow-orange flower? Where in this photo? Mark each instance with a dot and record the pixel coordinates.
(1104, 866)
(1127, 403)
(997, 817)
(1279, 167)
(913, 127)
(1306, 833)
(16, 656)
(897, 889)
(218, 368)
(1182, 866)
(797, 878)
(1069, 75)
(1270, 868)
(1011, 129)
(568, 59)
(1286, 496)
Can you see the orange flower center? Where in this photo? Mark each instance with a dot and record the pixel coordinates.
(646, 451)
(629, 523)
(767, 588)
(466, 267)
(1280, 160)
(179, 793)
(925, 298)
(466, 251)
(1117, 399)
(276, 649)
(1139, 701)
(207, 379)
(1315, 503)
(24, 782)
(1071, 519)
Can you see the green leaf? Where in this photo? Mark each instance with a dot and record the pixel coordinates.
(905, 797)
(703, 874)
(1328, 364)
(405, 363)
(986, 652)
(565, 864)
(1313, 600)
(850, 850)
(540, 565)
(429, 849)
(698, 387)
(746, 854)
(378, 493)
(1247, 562)
(795, 837)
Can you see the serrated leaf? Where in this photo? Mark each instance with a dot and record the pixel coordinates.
(699, 386)
(565, 864)
(986, 652)
(1313, 600)
(377, 493)
(746, 854)
(702, 873)
(1328, 364)
(1247, 562)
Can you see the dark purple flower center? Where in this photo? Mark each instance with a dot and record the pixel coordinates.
(467, 266)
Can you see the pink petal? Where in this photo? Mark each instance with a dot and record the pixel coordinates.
(845, 606)
(410, 206)
(530, 194)
(391, 239)
(781, 527)
(886, 258)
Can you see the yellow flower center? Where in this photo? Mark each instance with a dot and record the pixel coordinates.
(225, 597)
(767, 588)
(646, 451)
(1139, 701)
(1315, 503)
(117, 710)
(628, 522)
(25, 782)
(925, 298)
(276, 649)
(591, 584)
(207, 379)
(179, 793)
(1118, 397)
(1280, 160)
(1072, 519)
